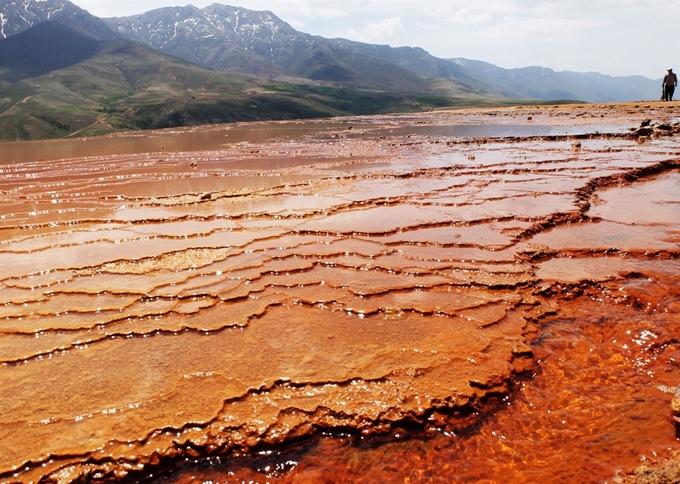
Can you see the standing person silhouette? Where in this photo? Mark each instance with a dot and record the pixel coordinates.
(670, 80)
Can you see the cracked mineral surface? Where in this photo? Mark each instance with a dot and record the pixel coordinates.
(475, 295)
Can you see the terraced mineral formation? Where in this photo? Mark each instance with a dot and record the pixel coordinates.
(217, 291)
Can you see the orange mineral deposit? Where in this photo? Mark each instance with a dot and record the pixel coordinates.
(464, 300)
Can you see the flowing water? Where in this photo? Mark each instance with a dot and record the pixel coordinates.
(450, 297)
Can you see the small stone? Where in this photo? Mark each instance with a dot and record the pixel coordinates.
(646, 131)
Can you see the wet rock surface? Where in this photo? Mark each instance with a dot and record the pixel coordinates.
(229, 291)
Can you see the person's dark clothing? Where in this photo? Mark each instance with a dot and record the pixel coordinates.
(668, 91)
(670, 80)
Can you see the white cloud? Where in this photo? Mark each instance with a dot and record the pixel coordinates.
(464, 16)
(431, 26)
(377, 32)
(322, 9)
(539, 30)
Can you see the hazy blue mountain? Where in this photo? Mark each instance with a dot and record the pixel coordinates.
(413, 58)
(544, 83)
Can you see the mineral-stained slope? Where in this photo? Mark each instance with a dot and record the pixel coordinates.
(185, 301)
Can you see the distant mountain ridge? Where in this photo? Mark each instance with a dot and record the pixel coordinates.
(239, 40)
(265, 37)
(545, 83)
(233, 39)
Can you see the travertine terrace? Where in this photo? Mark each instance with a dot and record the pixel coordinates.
(201, 293)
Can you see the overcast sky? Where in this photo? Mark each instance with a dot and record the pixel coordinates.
(615, 37)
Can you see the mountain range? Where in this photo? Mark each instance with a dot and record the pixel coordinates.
(64, 71)
(263, 44)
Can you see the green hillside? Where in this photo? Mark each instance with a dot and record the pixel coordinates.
(127, 86)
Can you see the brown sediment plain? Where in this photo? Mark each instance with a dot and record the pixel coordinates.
(458, 296)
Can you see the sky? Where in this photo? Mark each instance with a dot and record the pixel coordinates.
(614, 37)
